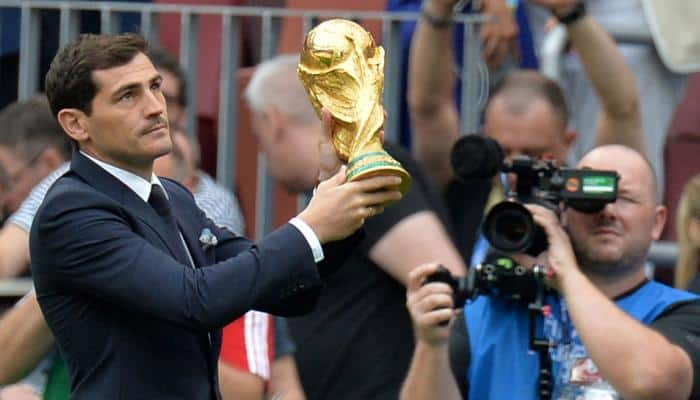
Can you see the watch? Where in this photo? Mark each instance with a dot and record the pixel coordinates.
(574, 15)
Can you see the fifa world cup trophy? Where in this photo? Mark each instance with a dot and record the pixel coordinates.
(343, 71)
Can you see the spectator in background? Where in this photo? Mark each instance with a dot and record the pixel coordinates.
(174, 85)
(526, 112)
(217, 202)
(32, 146)
(213, 197)
(284, 376)
(29, 364)
(358, 341)
(688, 232)
(247, 353)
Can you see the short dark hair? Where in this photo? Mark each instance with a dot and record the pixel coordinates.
(163, 60)
(69, 82)
(27, 127)
(520, 87)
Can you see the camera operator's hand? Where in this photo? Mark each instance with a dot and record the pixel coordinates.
(430, 305)
(500, 36)
(559, 257)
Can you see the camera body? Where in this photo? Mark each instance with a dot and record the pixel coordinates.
(509, 226)
(499, 275)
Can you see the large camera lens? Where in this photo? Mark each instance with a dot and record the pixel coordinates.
(509, 228)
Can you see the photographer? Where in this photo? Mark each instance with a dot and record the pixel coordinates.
(614, 334)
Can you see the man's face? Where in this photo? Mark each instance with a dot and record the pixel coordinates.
(128, 126)
(22, 174)
(534, 131)
(291, 152)
(616, 239)
(171, 90)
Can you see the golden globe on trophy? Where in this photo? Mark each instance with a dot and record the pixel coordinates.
(343, 71)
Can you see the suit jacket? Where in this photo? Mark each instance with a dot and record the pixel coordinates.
(131, 321)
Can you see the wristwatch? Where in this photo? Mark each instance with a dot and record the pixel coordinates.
(574, 15)
(435, 21)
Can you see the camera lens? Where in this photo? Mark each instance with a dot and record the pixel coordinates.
(509, 227)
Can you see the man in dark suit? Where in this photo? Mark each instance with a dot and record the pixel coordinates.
(133, 280)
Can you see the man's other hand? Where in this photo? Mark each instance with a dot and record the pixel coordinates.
(430, 306)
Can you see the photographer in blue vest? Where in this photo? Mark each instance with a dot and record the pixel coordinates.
(608, 331)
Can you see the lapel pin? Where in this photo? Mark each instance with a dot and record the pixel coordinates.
(207, 239)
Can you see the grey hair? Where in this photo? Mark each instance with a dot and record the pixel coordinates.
(275, 84)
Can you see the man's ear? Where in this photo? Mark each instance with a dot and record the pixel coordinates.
(74, 123)
(659, 222)
(277, 121)
(569, 138)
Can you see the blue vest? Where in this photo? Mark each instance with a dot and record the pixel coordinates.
(503, 367)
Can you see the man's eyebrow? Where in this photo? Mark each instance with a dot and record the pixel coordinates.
(157, 77)
(126, 87)
(134, 85)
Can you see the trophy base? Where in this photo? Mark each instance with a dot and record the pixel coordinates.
(378, 163)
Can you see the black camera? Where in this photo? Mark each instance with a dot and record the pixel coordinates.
(499, 275)
(509, 226)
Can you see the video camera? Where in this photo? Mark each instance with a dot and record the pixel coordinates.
(509, 226)
(499, 275)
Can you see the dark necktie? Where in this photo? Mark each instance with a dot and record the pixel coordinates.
(161, 205)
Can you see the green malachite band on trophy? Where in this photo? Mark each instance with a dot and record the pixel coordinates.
(366, 155)
(385, 161)
(353, 173)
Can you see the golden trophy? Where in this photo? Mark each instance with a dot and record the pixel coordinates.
(343, 71)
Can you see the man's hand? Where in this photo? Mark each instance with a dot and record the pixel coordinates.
(499, 37)
(559, 257)
(338, 209)
(429, 306)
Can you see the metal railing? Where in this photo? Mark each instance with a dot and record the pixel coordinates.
(473, 94)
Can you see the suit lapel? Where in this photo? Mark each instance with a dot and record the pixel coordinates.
(106, 183)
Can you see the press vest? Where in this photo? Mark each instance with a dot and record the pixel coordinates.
(503, 367)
